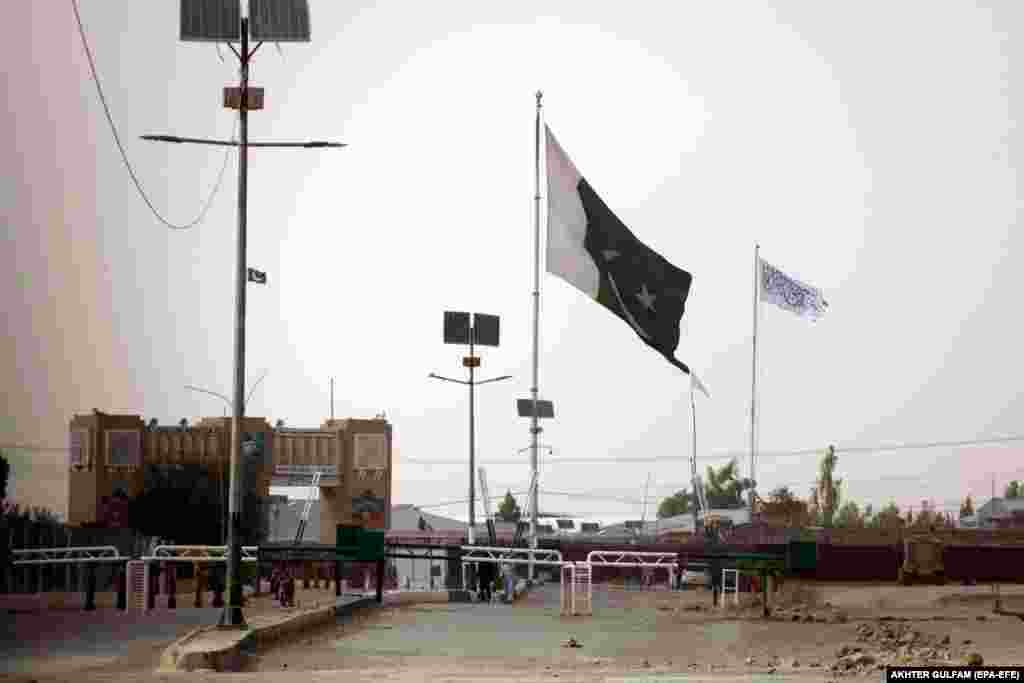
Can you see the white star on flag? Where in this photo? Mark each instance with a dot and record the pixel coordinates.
(646, 298)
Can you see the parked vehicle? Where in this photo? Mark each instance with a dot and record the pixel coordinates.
(922, 561)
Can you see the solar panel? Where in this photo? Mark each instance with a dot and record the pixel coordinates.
(456, 327)
(485, 329)
(545, 409)
(279, 21)
(216, 21)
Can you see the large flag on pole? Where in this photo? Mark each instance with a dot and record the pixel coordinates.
(592, 250)
(791, 294)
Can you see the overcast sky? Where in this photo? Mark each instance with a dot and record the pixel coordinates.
(870, 148)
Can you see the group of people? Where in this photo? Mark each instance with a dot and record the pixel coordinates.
(489, 580)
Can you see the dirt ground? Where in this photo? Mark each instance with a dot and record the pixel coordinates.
(815, 633)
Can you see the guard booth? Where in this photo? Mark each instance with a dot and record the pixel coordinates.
(353, 544)
(727, 566)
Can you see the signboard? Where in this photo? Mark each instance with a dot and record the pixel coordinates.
(78, 455)
(124, 448)
(253, 98)
(254, 448)
(371, 452)
(297, 475)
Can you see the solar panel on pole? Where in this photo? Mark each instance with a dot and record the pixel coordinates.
(545, 409)
(485, 329)
(279, 21)
(211, 21)
(456, 327)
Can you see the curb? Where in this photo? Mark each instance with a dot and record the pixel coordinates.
(226, 650)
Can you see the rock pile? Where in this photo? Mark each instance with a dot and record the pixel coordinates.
(892, 643)
(808, 614)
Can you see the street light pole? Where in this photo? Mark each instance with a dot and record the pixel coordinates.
(203, 22)
(472, 383)
(232, 615)
(472, 453)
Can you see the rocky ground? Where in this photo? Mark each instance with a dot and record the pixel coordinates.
(814, 633)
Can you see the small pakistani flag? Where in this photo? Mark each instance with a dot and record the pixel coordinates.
(257, 276)
(591, 249)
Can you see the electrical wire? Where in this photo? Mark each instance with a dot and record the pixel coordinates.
(124, 156)
(736, 454)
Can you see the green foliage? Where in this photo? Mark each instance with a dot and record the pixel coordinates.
(184, 504)
(849, 516)
(888, 518)
(827, 494)
(679, 503)
(508, 509)
(724, 489)
(1015, 489)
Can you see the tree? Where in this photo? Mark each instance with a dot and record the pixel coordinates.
(724, 489)
(783, 507)
(827, 493)
(181, 502)
(508, 509)
(967, 507)
(849, 516)
(888, 518)
(679, 503)
(1015, 489)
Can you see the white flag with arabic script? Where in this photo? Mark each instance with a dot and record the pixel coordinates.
(791, 294)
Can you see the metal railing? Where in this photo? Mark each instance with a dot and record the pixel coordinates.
(198, 553)
(68, 555)
(475, 553)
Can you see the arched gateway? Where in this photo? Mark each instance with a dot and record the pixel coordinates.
(110, 456)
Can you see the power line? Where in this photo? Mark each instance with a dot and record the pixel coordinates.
(124, 156)
(734, 454)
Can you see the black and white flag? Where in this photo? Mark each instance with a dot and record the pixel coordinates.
(257, 276)
(591, 249)
(790, 294)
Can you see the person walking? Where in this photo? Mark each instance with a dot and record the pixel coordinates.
(487, 572)
(510, 581)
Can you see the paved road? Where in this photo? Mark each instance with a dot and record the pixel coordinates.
(95, 639)
(105, 633)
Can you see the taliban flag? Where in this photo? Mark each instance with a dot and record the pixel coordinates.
(591, 249)
(790, 294)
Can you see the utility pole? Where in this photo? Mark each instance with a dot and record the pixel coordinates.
(284, 24)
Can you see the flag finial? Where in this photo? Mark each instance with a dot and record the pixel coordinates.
(540, 94)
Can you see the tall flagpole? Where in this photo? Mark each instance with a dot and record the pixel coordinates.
(534, 428)
(753, 372)
(693, 460)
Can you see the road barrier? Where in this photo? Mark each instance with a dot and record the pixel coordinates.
(86, 557)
